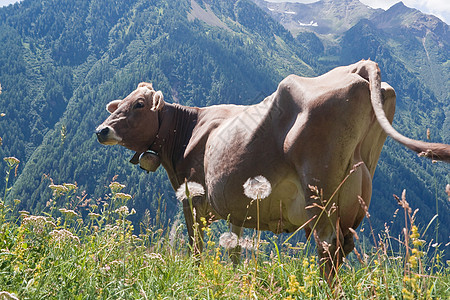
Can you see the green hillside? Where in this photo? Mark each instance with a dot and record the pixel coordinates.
(192, 62)
(62, 61)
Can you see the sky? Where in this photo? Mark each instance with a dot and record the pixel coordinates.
(439, 8)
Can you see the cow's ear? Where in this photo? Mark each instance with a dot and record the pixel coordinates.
(112, 106)
(158, 101)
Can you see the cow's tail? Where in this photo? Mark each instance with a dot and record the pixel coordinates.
(435, 151)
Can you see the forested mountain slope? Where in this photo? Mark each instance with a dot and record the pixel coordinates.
(65, 60)
(62, 61)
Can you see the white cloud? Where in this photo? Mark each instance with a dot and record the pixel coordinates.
(7, 2)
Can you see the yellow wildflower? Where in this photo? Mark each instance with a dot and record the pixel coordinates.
(293, 285)
(305, 262)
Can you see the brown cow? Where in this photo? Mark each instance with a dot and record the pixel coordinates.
(307, 137)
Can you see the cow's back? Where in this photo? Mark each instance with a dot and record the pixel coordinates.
(310, 132)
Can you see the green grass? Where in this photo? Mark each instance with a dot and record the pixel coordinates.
(84, 249)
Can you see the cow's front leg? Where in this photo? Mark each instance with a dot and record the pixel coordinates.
(235, 253)
(194, 227)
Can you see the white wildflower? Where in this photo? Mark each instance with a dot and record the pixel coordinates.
(123, 210)
(11, 161)
(94, 215)
(69, 213)
(189, 190)
(58, 188)
(228, 240)
(257, 188)
(63, 236)
(37, 224)
(116, 187)
(70, 186)
(123, 196)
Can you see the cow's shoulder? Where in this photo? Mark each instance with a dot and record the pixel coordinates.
(209, 119)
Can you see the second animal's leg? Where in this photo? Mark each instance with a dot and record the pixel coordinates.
(235, 253)
(194, 228)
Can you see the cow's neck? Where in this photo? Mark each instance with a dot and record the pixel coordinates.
(176, 125)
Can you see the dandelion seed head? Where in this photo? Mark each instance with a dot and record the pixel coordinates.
(189, 189)
(247, 243)
(228, 240)
(257, 188)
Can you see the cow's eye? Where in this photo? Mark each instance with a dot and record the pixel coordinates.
(139, 104)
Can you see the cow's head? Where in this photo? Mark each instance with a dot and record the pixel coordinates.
(133, 122)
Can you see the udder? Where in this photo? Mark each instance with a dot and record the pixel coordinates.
(284, 209)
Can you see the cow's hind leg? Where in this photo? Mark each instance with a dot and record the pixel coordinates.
(331, 252)
(349, 244)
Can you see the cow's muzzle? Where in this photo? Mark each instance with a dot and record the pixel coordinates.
(106, 135)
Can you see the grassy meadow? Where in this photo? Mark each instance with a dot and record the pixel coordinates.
(79, 248)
